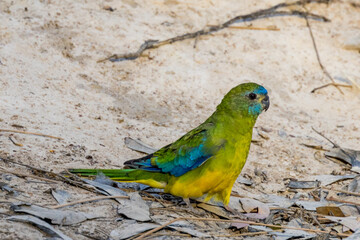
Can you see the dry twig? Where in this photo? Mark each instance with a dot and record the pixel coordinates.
(333, 143)
(15, 143)
(271, 28)
(264, 13)
(331, 84)
(343, 191)
(316, 220)
(30, 133)
(88, 200)
(171, 234)
(244, 234)
(27, 175)
(342, 201)
(317, 55)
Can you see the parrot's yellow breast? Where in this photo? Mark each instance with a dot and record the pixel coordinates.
(215, 178)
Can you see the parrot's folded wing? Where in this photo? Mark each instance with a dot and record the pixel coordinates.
(187, 153)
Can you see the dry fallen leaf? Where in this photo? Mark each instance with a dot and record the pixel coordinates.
(61, 196)
(131, 228)
(355, 236)
(330, 210)
(63, 217)
(106, 189)
(294, 234)
(310, 205)
(44, 226)
(186, 227)
(214, 209)
(329, 179)
(349, 156)
(303, 184)
(135, 208)
(139, 146)
(254, 208)
(351, 222)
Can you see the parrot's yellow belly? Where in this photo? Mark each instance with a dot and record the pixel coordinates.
(213, 180)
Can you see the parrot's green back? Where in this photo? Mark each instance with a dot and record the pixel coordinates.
(205, 162)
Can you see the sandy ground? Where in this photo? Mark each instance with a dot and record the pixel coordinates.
(51, 83)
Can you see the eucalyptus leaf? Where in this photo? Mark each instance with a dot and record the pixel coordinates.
(42, 225)
(131, 228)
(329, 179)
(63, 217)
(139, 146)
(135, 208)
(61, 196)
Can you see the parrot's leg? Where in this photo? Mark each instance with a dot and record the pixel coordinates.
(191, 208)
(188, 204)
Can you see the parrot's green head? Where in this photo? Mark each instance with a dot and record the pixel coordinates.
(247, 99)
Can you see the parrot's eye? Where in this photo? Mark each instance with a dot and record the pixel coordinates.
(252, 96)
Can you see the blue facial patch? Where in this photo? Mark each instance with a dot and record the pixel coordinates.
(255, 109)
(260, 91)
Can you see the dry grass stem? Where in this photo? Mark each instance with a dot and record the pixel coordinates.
(27, 175)
(30, 133)
(87, 200)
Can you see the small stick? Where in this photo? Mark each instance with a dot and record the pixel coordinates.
(316, 147)
(237, 221)
(256, 28)
(343, 191)
(30, 133)
(316, 220)
(15, 143)
(330, 84)
(243, 234)
(172, 235)
(333, 143)
(156, 199)
(271, 28)
(342, 201)
(87, 200)
(27, 175)
(317, 53)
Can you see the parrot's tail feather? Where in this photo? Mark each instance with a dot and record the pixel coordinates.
(153, 179)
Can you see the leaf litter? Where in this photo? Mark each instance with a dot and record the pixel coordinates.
(140, 218)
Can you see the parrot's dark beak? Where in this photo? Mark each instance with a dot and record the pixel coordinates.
(266, 103)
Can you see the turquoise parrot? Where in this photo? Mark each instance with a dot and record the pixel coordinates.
(205, 162)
